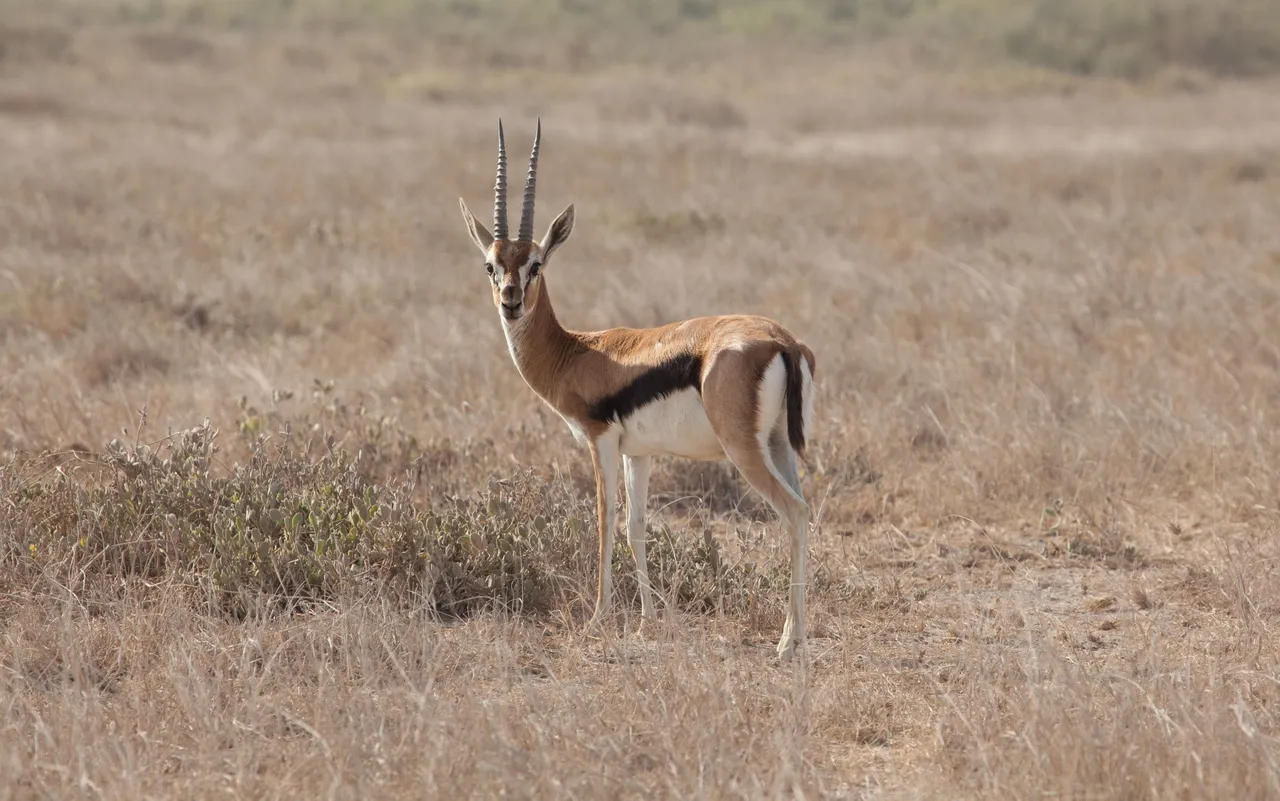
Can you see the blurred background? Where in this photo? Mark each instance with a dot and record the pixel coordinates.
(1035, 245)
(1025, 238)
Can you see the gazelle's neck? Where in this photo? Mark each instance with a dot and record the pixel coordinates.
(540, 346)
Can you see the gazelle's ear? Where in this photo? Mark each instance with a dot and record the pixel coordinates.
(558, 233)
(479, 234)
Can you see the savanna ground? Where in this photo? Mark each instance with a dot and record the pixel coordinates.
(1042, 286)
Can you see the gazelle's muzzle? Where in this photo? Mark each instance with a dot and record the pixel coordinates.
(511, 300)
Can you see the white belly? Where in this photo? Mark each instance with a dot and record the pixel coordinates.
(677, 425)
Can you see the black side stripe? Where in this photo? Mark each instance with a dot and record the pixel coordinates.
(681, 372)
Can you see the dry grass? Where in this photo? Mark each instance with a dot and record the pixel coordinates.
(1046, 471)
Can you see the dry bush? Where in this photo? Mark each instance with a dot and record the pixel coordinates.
(1138, 40)
(170, 47)
(1175, 41)
(647, 104)
(34, 44)
(286, 529)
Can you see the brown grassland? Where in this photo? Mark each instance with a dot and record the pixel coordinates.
(1046, 470)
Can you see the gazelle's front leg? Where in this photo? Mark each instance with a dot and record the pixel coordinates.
(635, 472)
(604, 459)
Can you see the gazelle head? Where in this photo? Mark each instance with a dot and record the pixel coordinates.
(515, 265)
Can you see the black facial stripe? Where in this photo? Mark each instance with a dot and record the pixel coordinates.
(678, 373)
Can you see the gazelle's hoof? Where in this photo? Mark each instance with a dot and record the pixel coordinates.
(787, 649)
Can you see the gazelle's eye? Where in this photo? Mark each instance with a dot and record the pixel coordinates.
(489, 269)
(533, 268)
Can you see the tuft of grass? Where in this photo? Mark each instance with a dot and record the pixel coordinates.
(1043, 725)
(1100, 603)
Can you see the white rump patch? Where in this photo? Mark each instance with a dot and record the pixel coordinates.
(773, 417)
(773, 399)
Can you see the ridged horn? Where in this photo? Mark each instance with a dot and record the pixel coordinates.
(500, 189)
(530, 188)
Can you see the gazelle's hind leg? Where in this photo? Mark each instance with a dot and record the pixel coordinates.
(755, 464)
(785, 460)
(750, 421)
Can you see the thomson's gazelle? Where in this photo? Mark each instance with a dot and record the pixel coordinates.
(733, 386)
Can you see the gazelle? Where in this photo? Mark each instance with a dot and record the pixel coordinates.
(736, 386)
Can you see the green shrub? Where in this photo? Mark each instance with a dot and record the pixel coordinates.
(282, 531)
(1117, 38)
(1130, 39)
